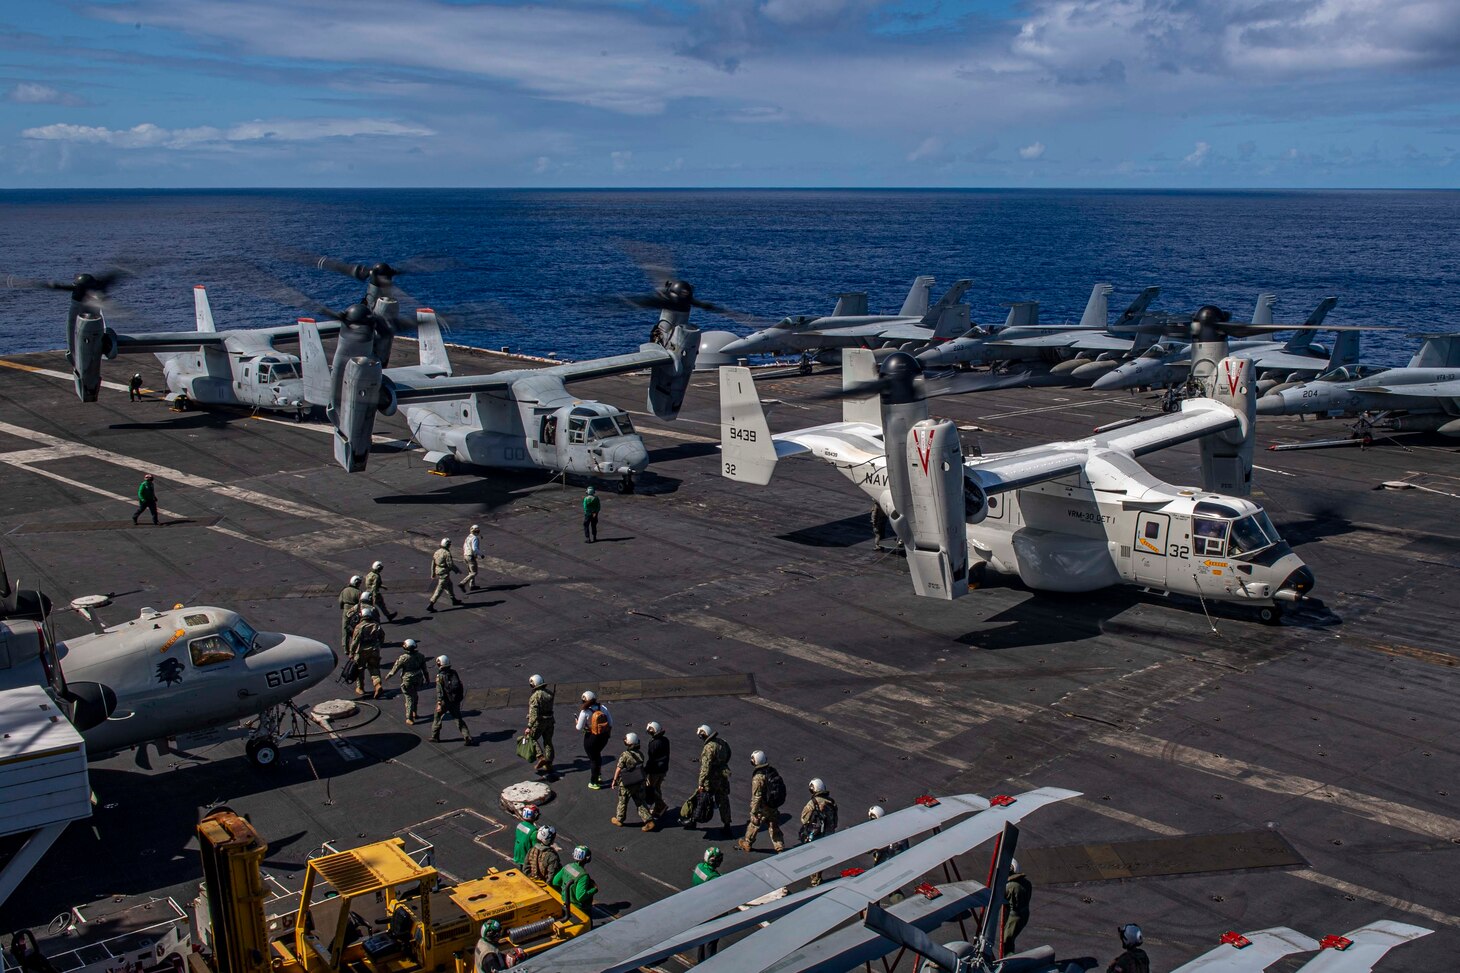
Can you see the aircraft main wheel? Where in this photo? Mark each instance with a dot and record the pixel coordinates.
(448, 466)
(263, 754)
(1270, 615)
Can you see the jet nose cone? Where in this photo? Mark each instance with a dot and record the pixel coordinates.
(1109, 381)
(740, 346)
(934, 356)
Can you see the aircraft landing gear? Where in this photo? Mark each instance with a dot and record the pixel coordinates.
(1270, 614)
(448, 465)
(263, 753)
(807, 363)
(626, 485)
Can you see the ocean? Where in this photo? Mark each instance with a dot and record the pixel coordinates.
(537, 271)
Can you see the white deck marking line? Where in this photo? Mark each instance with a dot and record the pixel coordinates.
(1267, 470)
(1362, 805)
(1374, 895)
(52, 373)
(242, 494)
(327, 430)
(68, 481)
(805, 651)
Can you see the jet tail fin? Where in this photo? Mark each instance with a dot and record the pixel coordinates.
(1226, 457)
(916, 303)
(954, 294)
(746, 450)
(430, 344)
(1022, 314)
(1301, 341)
(952, 323)
(1345, 349)
(1437, 351)
(852, 304)
(1136, 312)
(1097, 309)
(202, 310)
(859, 370)
(1262, 312)
(314, 364)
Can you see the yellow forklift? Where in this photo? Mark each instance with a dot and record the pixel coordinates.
(371, 909)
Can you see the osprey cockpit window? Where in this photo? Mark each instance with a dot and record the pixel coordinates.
(211, 650)
(625, 424)
(1252, 534)
(577, 429)
(1209, 537)
(602, 428)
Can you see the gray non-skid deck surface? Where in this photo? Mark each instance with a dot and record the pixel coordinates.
(1337, 730)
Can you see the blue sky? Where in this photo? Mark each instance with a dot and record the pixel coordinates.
(1110, 93)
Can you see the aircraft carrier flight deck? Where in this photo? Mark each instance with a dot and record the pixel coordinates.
(1235, 775)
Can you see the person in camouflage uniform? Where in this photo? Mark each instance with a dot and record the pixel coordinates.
(349, 601)
(376, 587)
(543, 861)
(411, 665)
(762, 814)
(443, 566)
(714, 778)
(540, 724)
(629, 777)
(365, 645)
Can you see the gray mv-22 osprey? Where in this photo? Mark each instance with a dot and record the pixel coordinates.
(237, 367)
(518, 419)
(1065, 516)
(164, 674)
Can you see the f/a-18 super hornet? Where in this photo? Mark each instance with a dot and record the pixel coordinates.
(1168, 364)
(1081, 350)
(164, 674)
(523, 418)
(850, 326)
(1423, 396)
(236, 367)
(1067, 516)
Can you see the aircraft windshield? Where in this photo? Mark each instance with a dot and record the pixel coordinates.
(625, 426)
(602, 428)
(246, 636)
(1252, 534)
(280, 373)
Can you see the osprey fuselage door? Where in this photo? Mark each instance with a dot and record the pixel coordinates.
(1148, 552)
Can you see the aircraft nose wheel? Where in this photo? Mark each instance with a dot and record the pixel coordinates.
(626, 485)
(1270, 615)
(262, 753)
(448, 466)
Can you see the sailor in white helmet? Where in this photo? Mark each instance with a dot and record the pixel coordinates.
(471, 551)
(443, 566)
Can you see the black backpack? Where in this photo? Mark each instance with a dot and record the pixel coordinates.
(451, 686)
(775, 788)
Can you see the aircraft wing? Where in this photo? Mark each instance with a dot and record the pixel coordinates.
(1285, 361)
(1368, 944)
(1026, 467)
(726, 925)
(763, 950)
(854, 945)
(1428, 390)
(647, 356)
(850, 442)
(1262, 949)
(289, 333)
(632, 936)
(445, 388)
(161, 342)
(1101, 342)
(1057, 339)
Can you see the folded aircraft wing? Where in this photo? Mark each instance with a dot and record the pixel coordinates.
(286, 333)
(629, 938)
(1251, 952)
(1360, 950)
(846, 899)
(1037, 464)
(647, 356)
(854, 945)
(161, 342)
(1428, 390)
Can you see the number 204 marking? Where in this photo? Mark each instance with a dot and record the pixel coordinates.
(282, 677)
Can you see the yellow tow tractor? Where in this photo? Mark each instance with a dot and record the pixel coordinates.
(371, 909)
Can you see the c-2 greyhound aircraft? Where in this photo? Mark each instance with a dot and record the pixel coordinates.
(1065, 516)
(163, 674)
(523, 418)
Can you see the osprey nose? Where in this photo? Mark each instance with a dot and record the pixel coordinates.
(630, 456)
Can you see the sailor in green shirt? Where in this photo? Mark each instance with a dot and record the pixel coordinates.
(591, 505)
(526, 834)
(147, 501)
(575, 885)
(709, 868)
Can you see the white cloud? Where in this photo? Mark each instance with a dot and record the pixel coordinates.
(31, 93)
(1198, 155)
(789, 12)
(930, 147)
(542, 164)
(148, 135)
(621, 160)
(1033, 151)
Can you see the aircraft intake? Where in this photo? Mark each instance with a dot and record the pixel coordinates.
(91, 704)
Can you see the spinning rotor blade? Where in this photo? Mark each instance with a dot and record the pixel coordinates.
(933, 386)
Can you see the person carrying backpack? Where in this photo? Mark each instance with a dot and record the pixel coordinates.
(818, 817)
(449, 693)
(596, 725)
(714, 779)
(767, 794)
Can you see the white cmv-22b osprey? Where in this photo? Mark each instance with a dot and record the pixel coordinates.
(1064, 516)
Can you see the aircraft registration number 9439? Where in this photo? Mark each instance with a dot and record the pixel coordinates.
(746, 435)
(282, 677)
